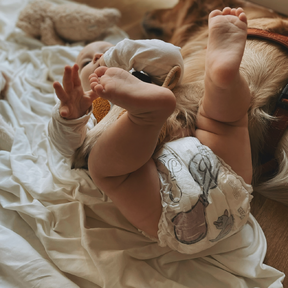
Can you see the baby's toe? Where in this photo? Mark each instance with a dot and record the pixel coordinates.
(239, 11)
(215, 13)
(243, 17)
(226, 11)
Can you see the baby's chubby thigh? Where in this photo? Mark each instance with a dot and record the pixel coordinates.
(138, 198)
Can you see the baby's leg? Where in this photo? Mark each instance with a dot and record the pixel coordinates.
(227, 95)
(120, 161)
(222, 119)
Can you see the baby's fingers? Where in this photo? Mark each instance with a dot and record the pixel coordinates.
(64, 111)
(75, 75)
(61, 94)
(67, 79)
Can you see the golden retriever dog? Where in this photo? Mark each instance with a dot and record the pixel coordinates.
(264, 65)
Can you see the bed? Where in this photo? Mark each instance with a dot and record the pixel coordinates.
(56, 228)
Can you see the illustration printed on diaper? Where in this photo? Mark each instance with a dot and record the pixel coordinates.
(174, 165)
(225, 224)
(190, 226)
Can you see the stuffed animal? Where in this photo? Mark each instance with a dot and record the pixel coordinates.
(56, 24)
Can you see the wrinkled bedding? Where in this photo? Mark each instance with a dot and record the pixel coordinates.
(57, 229)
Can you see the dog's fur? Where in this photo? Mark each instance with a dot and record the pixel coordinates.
(264, 65)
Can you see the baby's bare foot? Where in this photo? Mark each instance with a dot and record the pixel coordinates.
(227, 38)
(143, 101)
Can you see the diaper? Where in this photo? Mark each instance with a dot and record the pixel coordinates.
(204, 201)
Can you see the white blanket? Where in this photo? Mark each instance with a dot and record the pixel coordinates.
(56, 229)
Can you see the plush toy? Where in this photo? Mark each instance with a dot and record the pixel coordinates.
(56, 24)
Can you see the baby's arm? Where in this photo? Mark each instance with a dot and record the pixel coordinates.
(67, 128)
(68, 135)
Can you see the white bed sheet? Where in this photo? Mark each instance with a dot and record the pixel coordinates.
(56, 228)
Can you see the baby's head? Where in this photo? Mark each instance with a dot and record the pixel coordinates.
(87, 60)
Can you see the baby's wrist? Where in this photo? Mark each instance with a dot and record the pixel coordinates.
(77, 115)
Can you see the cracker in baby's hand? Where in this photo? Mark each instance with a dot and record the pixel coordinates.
(100, 109)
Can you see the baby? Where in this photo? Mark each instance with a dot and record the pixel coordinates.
(146, 187)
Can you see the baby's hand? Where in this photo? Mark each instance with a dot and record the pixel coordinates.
(74, 101)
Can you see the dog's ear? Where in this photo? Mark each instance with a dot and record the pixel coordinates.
(275, 25)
